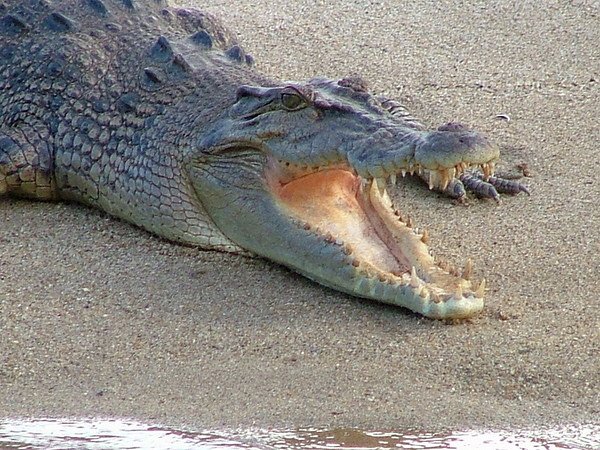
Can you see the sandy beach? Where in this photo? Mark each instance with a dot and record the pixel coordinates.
(99, 318)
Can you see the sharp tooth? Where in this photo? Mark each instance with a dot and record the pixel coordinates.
(393, 178)
(458, 293)
(435, 297)
(425, 237)
(403, 173)
(444, 179)
(481, 289)
(378, 191)
(486, 170)
(431, 180)
(414, 278)
(424, 292)
(387, 201)
(409, 222)
(468, 270)
(380, 182)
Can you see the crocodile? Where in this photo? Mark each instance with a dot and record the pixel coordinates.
(156, 115)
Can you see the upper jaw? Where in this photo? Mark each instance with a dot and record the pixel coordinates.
(391, 149)
(455, 147)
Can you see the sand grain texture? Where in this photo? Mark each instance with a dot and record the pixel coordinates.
(100, 318)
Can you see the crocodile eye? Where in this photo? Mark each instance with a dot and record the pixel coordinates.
(292, 102)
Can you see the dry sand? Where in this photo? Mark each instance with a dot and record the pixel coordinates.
(101, 318)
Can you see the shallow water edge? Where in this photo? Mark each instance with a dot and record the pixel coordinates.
(59, 434)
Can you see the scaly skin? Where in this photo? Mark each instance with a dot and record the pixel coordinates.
(154, 115)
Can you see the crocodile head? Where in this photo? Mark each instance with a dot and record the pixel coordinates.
(297, 174)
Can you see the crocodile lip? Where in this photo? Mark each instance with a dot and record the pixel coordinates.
(357, 215)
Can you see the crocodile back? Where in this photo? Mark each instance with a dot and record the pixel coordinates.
(118, 91)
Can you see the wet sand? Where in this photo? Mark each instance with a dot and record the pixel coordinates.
(99, 318)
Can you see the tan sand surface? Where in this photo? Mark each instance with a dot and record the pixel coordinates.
(100, 318)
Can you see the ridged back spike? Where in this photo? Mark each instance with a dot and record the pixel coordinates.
(236, 53)
(59, 22)
(166, 14)
(128, 102)
(12, 24)
(152, 78)
(97, 6)
(161, 50)
(180, 63)
(113, 27)
(202, 38)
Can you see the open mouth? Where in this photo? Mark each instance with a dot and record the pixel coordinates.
(388, 257)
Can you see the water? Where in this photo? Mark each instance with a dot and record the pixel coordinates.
(105, 434)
